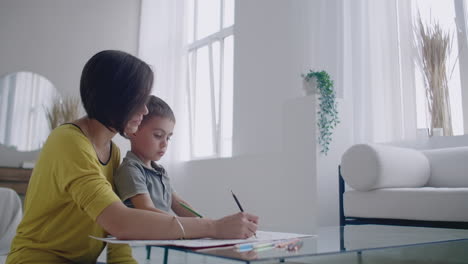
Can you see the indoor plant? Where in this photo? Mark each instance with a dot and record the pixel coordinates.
(327, 112)
(434, 47)
(62, 111)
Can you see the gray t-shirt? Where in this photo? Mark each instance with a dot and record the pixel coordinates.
(133, 177)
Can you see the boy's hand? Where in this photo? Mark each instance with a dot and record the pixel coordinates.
(240, 225)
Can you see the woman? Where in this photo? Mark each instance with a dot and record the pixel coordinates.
(70, 194)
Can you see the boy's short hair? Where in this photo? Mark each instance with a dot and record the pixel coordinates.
(158, 108)
(113, 86)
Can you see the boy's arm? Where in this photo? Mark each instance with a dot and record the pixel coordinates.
(179, 209)
(143, 201)
(130, 183)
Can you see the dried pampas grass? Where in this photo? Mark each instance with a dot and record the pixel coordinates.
(434, 46)
(63, 111)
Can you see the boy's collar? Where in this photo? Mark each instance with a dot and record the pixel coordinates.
(134, 157)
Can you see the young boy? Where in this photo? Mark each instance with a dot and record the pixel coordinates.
(139, 181)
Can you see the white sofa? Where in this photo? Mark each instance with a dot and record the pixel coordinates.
(10, 215)
(409, 183)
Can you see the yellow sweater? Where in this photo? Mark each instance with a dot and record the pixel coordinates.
(69, 188)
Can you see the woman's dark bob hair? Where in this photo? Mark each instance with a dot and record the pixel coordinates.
(113, 86)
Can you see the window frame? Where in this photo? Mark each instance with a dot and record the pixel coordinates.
(191, 89)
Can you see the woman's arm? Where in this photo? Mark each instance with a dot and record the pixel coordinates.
(179, 209)
(129, 223)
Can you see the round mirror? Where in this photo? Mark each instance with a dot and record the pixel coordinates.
(25, 99)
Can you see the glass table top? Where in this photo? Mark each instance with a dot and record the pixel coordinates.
(338, 240)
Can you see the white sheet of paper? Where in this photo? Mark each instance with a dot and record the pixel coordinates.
(206, 242)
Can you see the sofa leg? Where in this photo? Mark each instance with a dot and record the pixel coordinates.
(341, 190)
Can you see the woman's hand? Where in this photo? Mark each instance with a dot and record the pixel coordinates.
(240, 225)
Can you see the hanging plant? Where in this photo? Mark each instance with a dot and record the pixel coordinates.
(328, 112)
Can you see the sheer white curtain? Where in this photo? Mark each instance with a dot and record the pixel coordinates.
(378, 72)
(162, 45)
(24, 97)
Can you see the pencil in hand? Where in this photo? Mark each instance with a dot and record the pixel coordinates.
(237, 202)
(240, 206)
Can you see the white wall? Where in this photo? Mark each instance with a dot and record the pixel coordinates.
(55, 38)
(279, 187)
(276, 170)
(273, 46)
(275, 41)
(271, 171)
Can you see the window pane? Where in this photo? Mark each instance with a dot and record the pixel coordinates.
(227, 105)
(228, 13)
(442, 11)
(190, 20)
(208, 17)
(203, 126)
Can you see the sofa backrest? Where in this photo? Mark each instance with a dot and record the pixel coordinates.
(448, 167)
(436, 142)
(447, 158)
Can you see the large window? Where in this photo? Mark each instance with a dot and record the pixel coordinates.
(210, 77)
(442, 11)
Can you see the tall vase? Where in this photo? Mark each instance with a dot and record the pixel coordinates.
(437, 131)
(441, 118)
